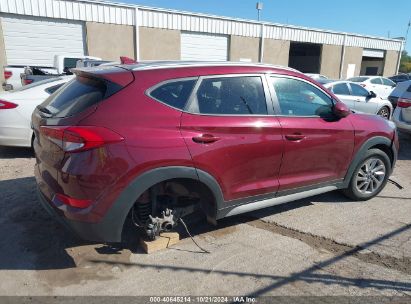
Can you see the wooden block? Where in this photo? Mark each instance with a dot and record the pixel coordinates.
(165, 240)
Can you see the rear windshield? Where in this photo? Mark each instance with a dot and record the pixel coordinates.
(358, 79)
(76, 96)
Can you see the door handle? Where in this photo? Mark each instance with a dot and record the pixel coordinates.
(205, 139)
(295, 137)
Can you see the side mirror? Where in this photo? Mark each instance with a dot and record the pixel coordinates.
(372, 95)
(341, 110)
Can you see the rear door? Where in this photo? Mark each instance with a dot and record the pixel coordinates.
(318, 147)
(232, 135)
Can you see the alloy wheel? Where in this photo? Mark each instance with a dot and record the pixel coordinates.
(384, 112)
(370, 176)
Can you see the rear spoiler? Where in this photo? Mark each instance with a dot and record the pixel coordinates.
(112, 73)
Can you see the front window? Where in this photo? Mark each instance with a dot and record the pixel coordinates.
(388, 82)
(299, 98)
(358, 90)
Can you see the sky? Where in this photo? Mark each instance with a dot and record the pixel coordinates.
(366, 17)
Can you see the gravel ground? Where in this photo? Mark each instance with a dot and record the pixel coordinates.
(325, 245)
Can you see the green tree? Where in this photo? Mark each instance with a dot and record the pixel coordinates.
(405, 64)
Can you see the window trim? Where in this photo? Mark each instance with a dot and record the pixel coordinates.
(276, 103)
(168, 81)
(192, 104)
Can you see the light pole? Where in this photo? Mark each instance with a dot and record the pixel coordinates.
(406, 33)
(259, 7)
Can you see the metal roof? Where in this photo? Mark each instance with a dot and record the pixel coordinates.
(127, 14)
(151, 65)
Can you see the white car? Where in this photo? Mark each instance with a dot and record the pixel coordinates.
(316, 76)
(359, 99)
(17, 106)
(379, 85)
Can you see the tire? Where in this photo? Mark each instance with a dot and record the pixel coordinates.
(384, 112)
(358, 189)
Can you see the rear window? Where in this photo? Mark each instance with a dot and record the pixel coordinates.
(358, 79)
(174, 93)
(76, 96)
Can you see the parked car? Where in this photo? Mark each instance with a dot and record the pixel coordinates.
(88, 63)
(400, 78)
(17, 106)
(398, 92)
(316, 76)
(154, 142)
(402, 113)
(360, 99)
(379, 85)
(15, 75)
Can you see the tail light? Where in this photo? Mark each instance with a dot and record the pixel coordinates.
(7, 74)
(80, 138)
(27, 81)
(73, 202)
(404, 103)
(7, 105)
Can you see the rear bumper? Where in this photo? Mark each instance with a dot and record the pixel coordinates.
(96, 232)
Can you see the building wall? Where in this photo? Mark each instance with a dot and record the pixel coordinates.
(2, 57)
(244, 49)
(276, 51)
(390, 63)
(331, 61)
(110, 41)
(159, 44)
(353, 55)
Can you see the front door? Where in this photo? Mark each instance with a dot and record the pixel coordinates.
(231, 135)
(318, 147)
(364, 102)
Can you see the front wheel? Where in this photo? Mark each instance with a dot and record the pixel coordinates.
(370, 176)
(384, 112)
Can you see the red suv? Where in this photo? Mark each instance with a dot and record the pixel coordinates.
(154, 142)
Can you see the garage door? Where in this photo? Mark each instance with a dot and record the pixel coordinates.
(36, 41)
(198, 46)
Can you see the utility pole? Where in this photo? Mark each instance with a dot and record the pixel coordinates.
(406, 33)
(259, 7)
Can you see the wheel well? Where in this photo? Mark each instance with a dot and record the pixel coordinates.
(386, 149)
(180, 188)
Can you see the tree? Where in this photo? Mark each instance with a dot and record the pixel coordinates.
(405, 64)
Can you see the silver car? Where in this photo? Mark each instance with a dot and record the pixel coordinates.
(402, 113)
(360, 99)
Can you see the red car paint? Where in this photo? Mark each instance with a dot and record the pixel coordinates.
(246, 155)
